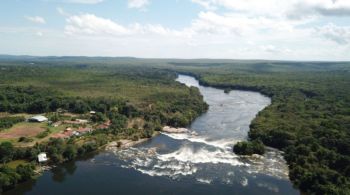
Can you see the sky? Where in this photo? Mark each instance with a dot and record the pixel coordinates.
(230, 29)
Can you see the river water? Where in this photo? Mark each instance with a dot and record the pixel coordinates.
(198, 162)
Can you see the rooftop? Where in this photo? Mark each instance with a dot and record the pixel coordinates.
(39, 118)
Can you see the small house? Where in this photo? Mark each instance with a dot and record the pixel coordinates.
(76, 133)
(92, 112)
(84, 130)
(42, 157)
(38, 119)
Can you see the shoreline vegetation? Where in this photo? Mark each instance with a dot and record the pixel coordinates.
(146, 100)
(249, 147)
(308, 118)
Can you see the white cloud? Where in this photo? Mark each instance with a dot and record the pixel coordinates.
(36, 19)
(93, 25)
(203, 29)
(206, 4)
(212, 23)
(224, 29)
(340, 35)
(269, 48)
(62, 12)
(294, 9)
(306, 8)
(84, 1)
(207, 23)
(236, 24)
(90, 24)
(274, 49)
(39, 34)
(256, 7)
(209, 31)
(138, 4)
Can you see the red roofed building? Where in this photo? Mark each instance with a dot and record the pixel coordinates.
(84, 130)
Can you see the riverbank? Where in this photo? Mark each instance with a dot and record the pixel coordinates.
(201, 158)
(227, 87)
(120, 143)
(126, 143)
(203, 152)
(308, 108)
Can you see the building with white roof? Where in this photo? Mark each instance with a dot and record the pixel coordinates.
(38, 119)
(42, 157)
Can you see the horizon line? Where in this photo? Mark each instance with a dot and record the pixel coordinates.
(168, 58)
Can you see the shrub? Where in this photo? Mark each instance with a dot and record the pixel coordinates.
(43, 134)
(25, 139)
(8, 122)
(135, 138)
(249, 148)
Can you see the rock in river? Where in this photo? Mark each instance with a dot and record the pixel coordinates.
(174, 130)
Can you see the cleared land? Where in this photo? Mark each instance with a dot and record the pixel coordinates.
(23, 130)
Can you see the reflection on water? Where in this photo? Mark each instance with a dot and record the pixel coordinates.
(59, 173)
(199, 162)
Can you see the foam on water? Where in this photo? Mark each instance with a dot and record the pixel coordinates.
(206, 155)
(202, 155)
(210, 162)
(204, 181)
(222, 143)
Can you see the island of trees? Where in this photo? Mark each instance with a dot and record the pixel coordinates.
(249, 148)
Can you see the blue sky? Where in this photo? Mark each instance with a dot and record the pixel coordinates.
(235, 29)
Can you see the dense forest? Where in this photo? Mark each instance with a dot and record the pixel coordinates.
(117, 94)
(309, 118)
(133, 90)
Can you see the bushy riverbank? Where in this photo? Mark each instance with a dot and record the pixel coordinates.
(308, 118)
(136, 100)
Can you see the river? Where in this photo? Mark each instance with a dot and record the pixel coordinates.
(198, 162)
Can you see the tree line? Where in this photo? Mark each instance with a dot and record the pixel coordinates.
(308, 118)
(7, 122)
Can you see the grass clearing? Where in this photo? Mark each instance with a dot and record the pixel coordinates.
(24, 129)
(15, 163)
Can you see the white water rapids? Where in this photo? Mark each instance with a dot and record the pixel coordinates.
(206, 156)
(200, 162)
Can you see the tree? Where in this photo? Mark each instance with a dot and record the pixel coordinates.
(7, 152)
(98, 117)
(147, 133)
(8, 178)
(178, 120)
(25, 171)
(70, 152)
(249, 148)
(118, 121)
